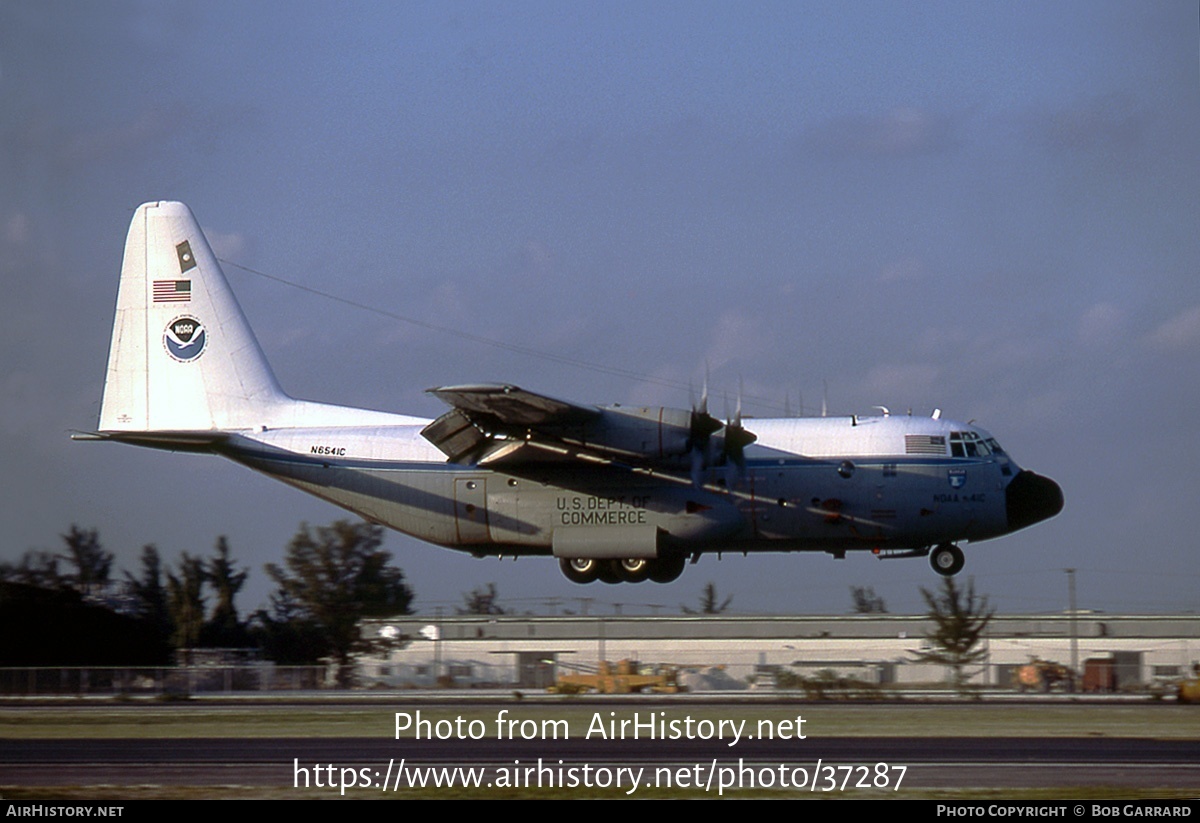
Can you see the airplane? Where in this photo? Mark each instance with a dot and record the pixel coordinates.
(614, 493)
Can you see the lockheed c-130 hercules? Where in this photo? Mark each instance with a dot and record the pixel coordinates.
(615, 493)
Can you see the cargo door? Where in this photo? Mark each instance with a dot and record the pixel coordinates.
(470, 510)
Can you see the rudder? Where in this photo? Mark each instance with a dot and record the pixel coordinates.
(183, 357)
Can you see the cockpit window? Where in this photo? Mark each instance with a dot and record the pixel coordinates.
(969, 444)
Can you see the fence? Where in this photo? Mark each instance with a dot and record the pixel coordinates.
(861, 679)
(164, 681)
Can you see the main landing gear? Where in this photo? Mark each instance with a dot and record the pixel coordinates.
(629, 570)
(947, 559)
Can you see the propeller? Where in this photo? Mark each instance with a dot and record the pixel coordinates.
(702, 427)
(736, 438)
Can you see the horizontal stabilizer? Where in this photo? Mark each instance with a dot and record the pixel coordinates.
(181, 441)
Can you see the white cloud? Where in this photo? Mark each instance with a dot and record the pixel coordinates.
(1102, 324)
(537, 257)
(22, 257)
(1111, 121)
(900, 382)
(906, 269)
(1048, 405)
(654, 391)
(16, 231)
(149, 128)
(935, 341)
(735, 336)
(227, 246)
(902, 131)
(1178, 332)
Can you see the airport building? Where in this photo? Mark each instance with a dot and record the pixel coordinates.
(1112, 652)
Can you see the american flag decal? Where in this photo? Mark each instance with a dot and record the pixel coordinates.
(172, 291)
(924, 444)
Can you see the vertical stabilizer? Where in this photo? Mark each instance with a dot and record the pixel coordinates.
(183, 357)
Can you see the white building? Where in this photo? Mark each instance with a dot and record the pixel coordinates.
(527, 652)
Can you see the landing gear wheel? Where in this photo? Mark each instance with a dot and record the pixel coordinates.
(947, 560)
(633, 569)
(667, 569)
(580, 569)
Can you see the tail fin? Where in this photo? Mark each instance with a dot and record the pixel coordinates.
(183, 357)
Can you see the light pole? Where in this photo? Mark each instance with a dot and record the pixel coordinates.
(437, 646)
(1074, 627)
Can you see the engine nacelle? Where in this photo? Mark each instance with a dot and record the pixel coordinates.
(645, 432)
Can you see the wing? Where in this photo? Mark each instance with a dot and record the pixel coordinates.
(492, 423)
(487, 421)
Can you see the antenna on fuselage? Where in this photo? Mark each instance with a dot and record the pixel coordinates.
(937, 414)
(825, 399)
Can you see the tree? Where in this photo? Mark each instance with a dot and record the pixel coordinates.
(58, 627)
(709, 602)
(333, 577)
(960, 619)
(185, 601)
(149, 596)
(84, 552)
(481, 601)
(92, 563)
(284, 632)
(61, 619)
(37, 568)
(223, 627)
(866, 601)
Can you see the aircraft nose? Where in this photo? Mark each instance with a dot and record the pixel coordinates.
(1031, 498)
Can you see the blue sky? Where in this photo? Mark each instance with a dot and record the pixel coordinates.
(991, 208)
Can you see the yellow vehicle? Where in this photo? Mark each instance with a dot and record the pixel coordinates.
(1042, 675)
(626, 677)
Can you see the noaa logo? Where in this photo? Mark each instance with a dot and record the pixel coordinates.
(957, 478)
(185, 338)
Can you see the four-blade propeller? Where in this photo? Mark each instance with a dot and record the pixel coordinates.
(733, 439)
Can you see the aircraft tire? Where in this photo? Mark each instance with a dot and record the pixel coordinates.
(633, 569)
(609, 571)
(947, 560)
(666, 569)
(580, 569)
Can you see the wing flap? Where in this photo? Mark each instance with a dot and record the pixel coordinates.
(491, 421)
(511, 405)
(455, 435)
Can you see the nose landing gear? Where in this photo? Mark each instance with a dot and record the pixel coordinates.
(947, 559)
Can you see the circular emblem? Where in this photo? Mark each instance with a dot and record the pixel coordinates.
(185, 338)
